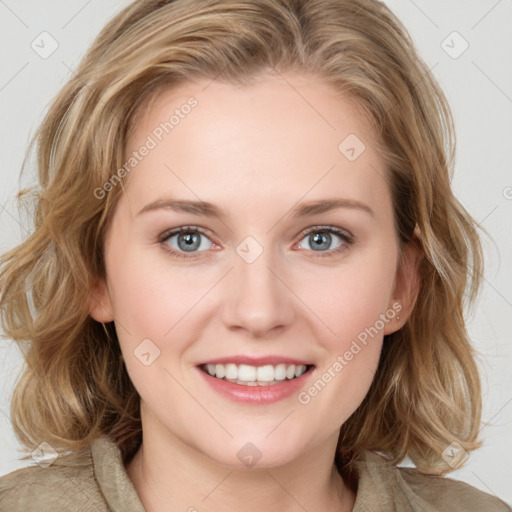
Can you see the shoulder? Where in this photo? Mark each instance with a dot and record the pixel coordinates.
(67, 484)
(449, 494)
(407, 489)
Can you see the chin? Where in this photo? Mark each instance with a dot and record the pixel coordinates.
(255, 455)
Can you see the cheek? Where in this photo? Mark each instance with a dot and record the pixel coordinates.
(147, 306)
(149, 297)
(352, 308)
(154, 301)
(351, 298)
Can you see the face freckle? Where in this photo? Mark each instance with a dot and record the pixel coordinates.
(253, 284)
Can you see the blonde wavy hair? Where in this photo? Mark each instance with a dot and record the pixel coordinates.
(426, 392)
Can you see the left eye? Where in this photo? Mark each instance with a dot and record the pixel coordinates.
(192, 240)
(320, 239)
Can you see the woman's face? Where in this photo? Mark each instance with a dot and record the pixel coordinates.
(264, 275)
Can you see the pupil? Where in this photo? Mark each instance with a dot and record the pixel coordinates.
(319, 239)
(191, 241)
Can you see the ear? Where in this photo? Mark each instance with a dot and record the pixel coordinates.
(407, 283)
(100, 304)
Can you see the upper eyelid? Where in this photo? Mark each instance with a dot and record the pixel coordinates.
(334, 229)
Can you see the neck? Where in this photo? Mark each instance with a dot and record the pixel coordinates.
(171, 475)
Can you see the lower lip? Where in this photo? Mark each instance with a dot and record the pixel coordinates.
(256, 394)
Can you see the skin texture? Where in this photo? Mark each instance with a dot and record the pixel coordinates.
(256, 151)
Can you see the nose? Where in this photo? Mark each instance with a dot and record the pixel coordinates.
(257, 297)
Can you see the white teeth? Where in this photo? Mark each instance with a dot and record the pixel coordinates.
(231, 371)
(280, 372)
(245, 372)
(290, 371)
(255, 375)
(265, 373)
(220, 371)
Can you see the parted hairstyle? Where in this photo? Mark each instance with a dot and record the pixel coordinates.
(74, 386)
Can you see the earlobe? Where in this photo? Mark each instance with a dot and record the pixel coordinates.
(100, 305)
(407, 286)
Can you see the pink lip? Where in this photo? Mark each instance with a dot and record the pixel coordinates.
(256, 394)
(256, 361)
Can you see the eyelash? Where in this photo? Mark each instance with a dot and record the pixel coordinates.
(347, 238)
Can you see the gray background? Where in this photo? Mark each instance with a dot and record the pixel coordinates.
(478, 84)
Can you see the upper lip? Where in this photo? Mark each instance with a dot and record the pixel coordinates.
(256, 361)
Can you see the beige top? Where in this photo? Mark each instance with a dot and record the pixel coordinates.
(100, 484)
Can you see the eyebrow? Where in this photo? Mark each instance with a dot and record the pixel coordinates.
(207, 209)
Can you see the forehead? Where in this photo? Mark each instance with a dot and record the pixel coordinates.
(283, 136)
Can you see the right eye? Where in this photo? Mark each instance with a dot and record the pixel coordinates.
(187, 239)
